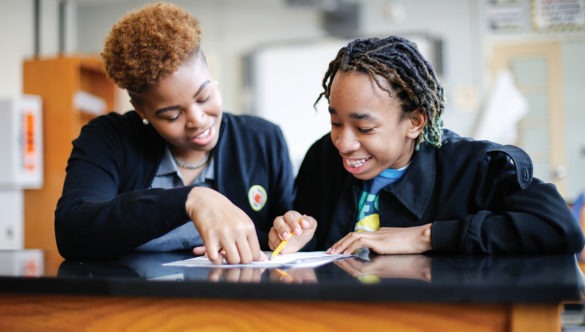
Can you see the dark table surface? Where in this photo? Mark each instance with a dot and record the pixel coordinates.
(396, 278)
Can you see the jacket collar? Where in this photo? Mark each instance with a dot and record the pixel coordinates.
(415, 188)
(222, 160)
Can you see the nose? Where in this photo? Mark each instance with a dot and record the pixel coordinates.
(345, 141)
(195, 116)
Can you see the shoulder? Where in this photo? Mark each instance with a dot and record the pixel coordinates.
(115, 122)
(126, 124)
(114, 131)
(466, 147)
(323, 152)
(323, 168)
(488, 156)
(324, 144)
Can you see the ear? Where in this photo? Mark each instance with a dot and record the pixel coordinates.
(137, 107)
(417, 121)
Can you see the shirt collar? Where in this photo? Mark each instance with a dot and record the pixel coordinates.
(167, 165)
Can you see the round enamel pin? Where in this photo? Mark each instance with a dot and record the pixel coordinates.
(257, 197)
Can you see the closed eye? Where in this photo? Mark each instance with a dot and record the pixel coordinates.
(365, 130)
(203, 100)
(175, 116)
(170, 114)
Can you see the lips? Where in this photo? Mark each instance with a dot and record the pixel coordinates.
(204, 134)
(204, 137)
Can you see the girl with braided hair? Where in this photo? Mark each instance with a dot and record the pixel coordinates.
(390, 179)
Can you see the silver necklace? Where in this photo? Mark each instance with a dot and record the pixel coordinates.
(197, 165)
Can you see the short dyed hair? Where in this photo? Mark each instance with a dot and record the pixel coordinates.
(410, 75)
(149, 44)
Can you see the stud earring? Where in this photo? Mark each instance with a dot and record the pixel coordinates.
(144, 121)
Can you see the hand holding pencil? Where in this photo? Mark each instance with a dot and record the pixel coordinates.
(291, 232)
(279, 248)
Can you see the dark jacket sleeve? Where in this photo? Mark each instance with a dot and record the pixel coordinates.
(509, 211)
(106, 208)
(280, 177)
(319, 185)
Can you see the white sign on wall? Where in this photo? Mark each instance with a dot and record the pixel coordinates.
(21, 143)
(558, 15)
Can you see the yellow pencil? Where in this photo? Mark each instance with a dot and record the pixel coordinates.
(279, 248)
(283, 243)
(284, 275)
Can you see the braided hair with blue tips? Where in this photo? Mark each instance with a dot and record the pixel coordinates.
(410, 75)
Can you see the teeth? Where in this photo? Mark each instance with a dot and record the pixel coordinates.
(204, 134)
(355, 162)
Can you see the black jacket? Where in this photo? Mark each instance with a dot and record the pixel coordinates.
(479, 196)
(107, 207)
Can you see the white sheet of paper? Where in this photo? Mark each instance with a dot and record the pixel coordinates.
(297, 259)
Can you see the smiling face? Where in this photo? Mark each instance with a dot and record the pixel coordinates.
(368, 127)
(185, 108)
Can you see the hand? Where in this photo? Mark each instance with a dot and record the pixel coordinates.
(387, 240)
(303, 227)
(226, 230)
(245, 274)
(389, 266)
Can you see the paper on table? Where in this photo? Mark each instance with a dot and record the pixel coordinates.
(297, 259)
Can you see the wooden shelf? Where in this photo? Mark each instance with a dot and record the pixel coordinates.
(57, 80)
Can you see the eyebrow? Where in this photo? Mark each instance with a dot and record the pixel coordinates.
(174, 107)
(355, 116)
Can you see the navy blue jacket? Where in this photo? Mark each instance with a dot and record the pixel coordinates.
(479, 196)
(108, 209)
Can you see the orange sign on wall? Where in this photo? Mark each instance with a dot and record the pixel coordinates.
(30, 155)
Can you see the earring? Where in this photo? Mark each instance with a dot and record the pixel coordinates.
(216, 82)
(144, 121)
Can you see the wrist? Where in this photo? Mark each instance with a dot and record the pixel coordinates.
(195, 197)
(426, 237)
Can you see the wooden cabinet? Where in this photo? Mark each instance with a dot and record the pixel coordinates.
(57, 80)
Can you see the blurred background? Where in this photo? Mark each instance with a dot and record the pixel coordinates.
(513, 70)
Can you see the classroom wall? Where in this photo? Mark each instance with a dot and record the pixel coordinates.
(574, 86)
(16, 38)
(17, 42)
(230, 30)
(234, 29)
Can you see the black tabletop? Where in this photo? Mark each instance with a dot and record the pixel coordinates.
(396, 278)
